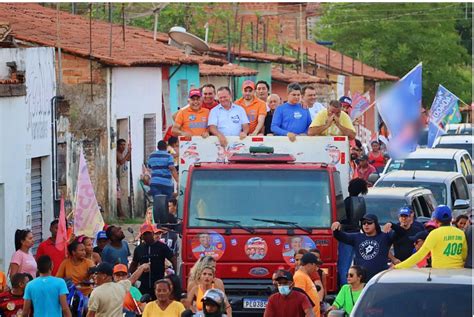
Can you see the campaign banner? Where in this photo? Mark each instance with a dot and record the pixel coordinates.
(306, 149)
(360, 104)
(442, 106)
(61, 236)
(455, 115)
(87, 217)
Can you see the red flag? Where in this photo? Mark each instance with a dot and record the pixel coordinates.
(61, 236)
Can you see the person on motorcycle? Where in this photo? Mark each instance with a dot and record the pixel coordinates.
(213, 304)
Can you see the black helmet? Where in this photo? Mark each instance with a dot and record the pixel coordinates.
(216, 297)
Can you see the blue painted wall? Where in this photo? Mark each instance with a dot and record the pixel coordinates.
(185, 72)
(264, 73)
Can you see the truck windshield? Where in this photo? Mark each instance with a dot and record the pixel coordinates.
(438, 189)
(299, 196)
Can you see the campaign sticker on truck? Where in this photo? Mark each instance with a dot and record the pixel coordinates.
(256, 248)
(208, 243)
(293, 244)
(334, 153)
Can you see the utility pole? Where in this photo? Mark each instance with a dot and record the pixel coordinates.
(301, 38)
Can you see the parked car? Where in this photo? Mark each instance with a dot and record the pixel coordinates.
(459, 128)
(454, 142)
(417, 292)
(385, 202)
(448, 188)
(444, 160)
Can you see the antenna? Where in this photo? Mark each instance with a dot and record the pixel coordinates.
(429, 276)
(186, 41)
(413, 177)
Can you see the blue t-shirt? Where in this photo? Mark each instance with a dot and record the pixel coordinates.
(290, 118)
(370, 252)
(44, 292)
(159, 162)
(114, 256)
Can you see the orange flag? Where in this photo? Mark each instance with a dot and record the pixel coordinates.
(61, 236)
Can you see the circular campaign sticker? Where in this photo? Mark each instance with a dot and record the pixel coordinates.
(208, 243)
(293, 244)
(256, 248)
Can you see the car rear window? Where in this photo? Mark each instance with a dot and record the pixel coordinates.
(410, 299)
(443, 165)
(459, 146)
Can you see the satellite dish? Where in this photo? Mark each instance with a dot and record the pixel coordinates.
(187, 41)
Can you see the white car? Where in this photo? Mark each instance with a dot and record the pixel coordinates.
(459, 128)
(444, 160)
(417, 292)
(448, 188)
(454, 142)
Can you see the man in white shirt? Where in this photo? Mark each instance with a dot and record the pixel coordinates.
(309, 101)
(227, 119)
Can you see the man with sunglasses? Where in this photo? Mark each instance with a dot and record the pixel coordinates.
(371, 247)
(407, 226)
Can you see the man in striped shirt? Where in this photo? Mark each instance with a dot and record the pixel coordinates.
(162, 171)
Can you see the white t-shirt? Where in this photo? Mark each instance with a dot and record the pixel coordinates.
(107, 299)
(313, 111)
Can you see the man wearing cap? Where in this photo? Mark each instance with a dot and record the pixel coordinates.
(309, 101)
(102, 241)
(131, 302)
(155, 253)
(447, 244)
(332, 122)
(417, 240)
(227, 119)
(364, 168)
(290, 118)
(255, 108)
(371, 247)
(287, 302)
(309, 264)
(407, 226)
(346, 104)
(192, 120)
(106, 299)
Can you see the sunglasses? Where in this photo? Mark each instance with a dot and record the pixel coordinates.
(367, 223)
(350, 275)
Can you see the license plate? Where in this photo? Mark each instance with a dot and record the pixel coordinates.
(255, 303)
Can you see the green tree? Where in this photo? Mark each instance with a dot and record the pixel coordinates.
(396, 36)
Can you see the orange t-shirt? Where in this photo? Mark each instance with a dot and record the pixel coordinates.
(255, 109)
(78, 273)
(3, 281)
(303, 281)
(193, 122)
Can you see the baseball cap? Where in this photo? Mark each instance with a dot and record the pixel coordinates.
(283, 274)
(194, 92)
(101, 235)
(248, 83)
(370, 217)
(120, 268)
(419, 235)
(345, 101)
(309, 258)
(146, 228)
(442, 213)
(103, 267)
(157, 229)
(404, 211)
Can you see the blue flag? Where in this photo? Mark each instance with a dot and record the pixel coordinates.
(400, 108)
(443, 105)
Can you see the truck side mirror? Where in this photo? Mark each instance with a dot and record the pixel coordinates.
(461, 204)
(356, 209)
(160, 209)
(373, 178)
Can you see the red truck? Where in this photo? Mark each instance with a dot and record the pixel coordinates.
(252, 213)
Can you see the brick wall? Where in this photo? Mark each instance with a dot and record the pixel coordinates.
(76, 70)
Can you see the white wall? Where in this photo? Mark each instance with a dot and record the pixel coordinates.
(25, 132)
(136, 91)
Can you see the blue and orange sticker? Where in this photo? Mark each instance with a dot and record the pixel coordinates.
(208, 243)
(256, 248)
(293, 244)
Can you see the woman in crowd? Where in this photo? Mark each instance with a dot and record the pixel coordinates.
(205, 282)
(376, 156)
(350, 292)
(89, 248)
(163, 305)
(22, 260)
(461, 222)
(273, 101)
(195, 272)
(76, 267)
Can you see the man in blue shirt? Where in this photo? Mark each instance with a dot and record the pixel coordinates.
(47, 294)
(370, 247)
(291, 119)
(162, 171)
(227, 119)
(117, 251)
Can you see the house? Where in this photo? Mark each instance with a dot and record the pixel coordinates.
(27, 88)
(114, 81)
(225, 75)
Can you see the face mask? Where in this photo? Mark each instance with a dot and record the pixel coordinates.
(284, 290)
